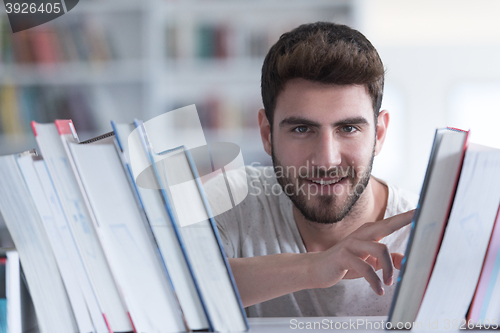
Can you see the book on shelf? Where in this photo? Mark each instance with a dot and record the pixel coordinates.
(202, 241)
(52, 140)
(3, 294)
(219, 41)
(25, 226)
(429, 223)
(129, 248)
(450, 235)
(20, 103)
(33, 180)
(10, 116)
(79, 41)
(485, 308)
(165, 231)
(10, 292)
(17, 312)
(102, 254)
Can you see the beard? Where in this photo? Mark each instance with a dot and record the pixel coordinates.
(330, 208)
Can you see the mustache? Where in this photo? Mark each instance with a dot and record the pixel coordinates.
(305, 172)
(335, 172)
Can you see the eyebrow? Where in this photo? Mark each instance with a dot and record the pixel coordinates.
(290, 121)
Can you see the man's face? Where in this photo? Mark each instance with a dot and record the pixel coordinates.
(322, 145)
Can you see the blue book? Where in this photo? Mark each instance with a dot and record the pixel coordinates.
(428, 225)
(3, 315)
(180, 185)
(3, 296)
(165, 232)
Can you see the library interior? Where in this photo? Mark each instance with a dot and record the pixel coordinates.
(113, 67)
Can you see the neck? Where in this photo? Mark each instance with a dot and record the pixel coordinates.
(370, 207)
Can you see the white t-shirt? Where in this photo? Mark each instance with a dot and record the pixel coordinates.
(263, 224)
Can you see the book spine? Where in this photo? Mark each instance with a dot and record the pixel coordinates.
(216, 234)
(148, 151)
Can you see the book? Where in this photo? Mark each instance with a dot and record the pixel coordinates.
(68, 274)
(10, 292)
(17, 313)
(460, 242)
(23, 221)
(459, 262)
(201, 239)
(52, 140)
(428, 223)
(485, 307)
(166, 233)
(129, 248)
(70, 247)
(3, 294)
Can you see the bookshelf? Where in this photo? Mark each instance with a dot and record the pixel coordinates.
(85, 65)
(138, 59)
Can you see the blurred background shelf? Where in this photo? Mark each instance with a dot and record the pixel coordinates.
(120, 60)
(74, 73)
(229, 6)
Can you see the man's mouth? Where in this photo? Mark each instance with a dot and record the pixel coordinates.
(327, 181)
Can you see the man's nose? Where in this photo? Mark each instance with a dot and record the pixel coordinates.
(326, 151)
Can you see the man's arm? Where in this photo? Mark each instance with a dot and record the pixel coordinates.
(358, 255)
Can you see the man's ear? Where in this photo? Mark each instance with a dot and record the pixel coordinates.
(382, 124)
(265, 131)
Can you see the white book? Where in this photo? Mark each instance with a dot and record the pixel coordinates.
(51, 141)
(485, 307)
(63, 260)
(13, 292)
(131, 251)
(201, 239)
(52, 307)
(165, 233)
(70, 247)
(202, 243)
(460, 259)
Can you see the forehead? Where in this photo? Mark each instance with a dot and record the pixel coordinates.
(323, 103)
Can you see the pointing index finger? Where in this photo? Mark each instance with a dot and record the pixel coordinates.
(393, 224)
(378, 230)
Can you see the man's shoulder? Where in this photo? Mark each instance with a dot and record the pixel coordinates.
(261, 220)
(399, 200)
(259, 184)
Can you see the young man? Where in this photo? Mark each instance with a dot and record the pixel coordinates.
(299, 244)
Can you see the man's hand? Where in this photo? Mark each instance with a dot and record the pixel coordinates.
(360, 255)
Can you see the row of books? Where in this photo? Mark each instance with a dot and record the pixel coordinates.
(19, 105)
(219, 40)
(450, 275)
(216, 112)
(79, 41)
(102, 254)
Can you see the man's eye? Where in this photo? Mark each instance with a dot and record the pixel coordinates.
(348, 129)
(301, 129)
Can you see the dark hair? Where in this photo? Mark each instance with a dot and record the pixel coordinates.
(323, 52)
